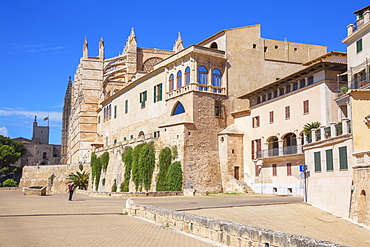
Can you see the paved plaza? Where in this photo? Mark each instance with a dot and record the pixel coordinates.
(98, 221)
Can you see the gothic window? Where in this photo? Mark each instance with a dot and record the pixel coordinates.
(187, 75)
(172, 82)
(179, 108)
(202, 77)
(216, 80)
(149, 64)
(179, 79)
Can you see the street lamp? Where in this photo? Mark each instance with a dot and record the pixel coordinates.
(258, 166)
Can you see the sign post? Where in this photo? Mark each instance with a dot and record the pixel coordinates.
(303, 170)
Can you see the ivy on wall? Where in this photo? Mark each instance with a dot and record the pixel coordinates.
(136, 169)
(114, 186)
(97, 165)
(127, 159)
(147, 164)
(165, 159)
(174, 177)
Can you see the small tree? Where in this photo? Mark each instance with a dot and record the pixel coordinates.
(136, 174)
(10, 183)
(147, 164)
(174, 177)
(127, 159)
(309, 126)
(165, 159)
(81, 180)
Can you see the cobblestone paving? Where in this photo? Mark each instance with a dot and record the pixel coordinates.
(85, 221)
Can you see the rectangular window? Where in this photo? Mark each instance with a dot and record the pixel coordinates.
(329, 160)
(256, 148)
(158, 93)
(99, 120)
(143, 98)
(281, 91)
(317, 161)
(343, 164)
(275, 93)
(218, 108)
(287, 112)
(274, 170)
(289, 169)
(287, 89)
(306, 108)
(271, 116)
(126, 106)
(256, 122)
(310, 80)
(115, 141)
(295, 86)
(303, 83)
(269, 96)
(115, 111)
(359, 45)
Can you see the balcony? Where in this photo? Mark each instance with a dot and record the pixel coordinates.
(196, 87)
(279, 152)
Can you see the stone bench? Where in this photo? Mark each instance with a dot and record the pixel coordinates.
(34, 190)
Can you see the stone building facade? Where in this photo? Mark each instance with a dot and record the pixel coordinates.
(184, 98)
(39, 151)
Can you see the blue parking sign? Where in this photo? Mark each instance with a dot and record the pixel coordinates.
(302, 168)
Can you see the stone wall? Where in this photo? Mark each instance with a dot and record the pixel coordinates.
(42, 176)
(225, 232)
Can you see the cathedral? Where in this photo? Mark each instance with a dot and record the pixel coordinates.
(186, 97)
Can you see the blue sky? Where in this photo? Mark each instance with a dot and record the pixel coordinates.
(41, 41)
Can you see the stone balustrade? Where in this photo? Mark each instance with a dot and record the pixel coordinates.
(225, 232)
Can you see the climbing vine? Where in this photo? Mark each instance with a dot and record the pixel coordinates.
(104, 160)
(127, 159)
(136, 178)
(147, 164)
(97, 164)
(174, 177)
(114, 186)
(165, 158)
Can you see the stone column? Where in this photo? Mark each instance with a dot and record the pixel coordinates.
(313, 134)
(299, 144)
(345, 126)
(333, 130)
(322, 131)
(281, 147)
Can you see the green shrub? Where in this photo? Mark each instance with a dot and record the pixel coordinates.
(136, 169)
(104, 160)
(81, 180)
(114, 186)
(127, 159)
(147, 164)
(10, 183)
(165, 158)
(174, 177)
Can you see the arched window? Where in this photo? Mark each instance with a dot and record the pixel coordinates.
(290, 144)
(179, 79)
(179, 108)
(172, 82)
(187, 75)
(141, 133)
(214, 45)
(273, 144)
(216, 80)
(203, 77)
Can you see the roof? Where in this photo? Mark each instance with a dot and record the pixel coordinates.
(329, 54)
(361, 9)
(294, 75)
(232, 129)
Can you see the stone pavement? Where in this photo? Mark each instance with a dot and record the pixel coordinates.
(95, 221)
(86, 221)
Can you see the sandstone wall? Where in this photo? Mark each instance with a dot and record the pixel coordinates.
(42, 176)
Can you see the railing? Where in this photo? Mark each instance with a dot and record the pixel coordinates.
(339, 129)
(318, 134)
(196, 87)
(327, 132)
(332, 131)
(273, 152)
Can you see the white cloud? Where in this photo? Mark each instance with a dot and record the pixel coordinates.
(4, 131)
(54, 116)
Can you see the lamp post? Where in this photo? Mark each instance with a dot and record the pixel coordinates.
(258, 166)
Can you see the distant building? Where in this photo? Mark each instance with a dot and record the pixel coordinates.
(39, 151)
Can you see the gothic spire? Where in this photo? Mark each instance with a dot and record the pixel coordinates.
(179, 44)
(85, 48)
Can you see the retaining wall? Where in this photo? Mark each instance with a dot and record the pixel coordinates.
(225, 232)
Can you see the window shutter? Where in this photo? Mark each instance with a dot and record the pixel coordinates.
(141, 95)
(317, 160)
(343, 158)
(145, 95)
(155, 94)
(329, 160)
(160, 92)
(252, 146)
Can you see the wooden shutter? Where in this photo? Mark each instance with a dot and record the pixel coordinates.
(160, 92)
(317, 160)
(155, 94)
(252, 148)
(329, 159)
(343, 165)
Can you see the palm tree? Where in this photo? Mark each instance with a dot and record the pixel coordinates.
(81, 180)
(308, 126)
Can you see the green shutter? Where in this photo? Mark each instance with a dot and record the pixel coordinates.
(359, 45)
(145, 95)
(140, 96)
(343, 165)
(155, 94)
(115, 111)
(160, 92)
(329, 160)
(317, 160)
(126, 106)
